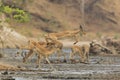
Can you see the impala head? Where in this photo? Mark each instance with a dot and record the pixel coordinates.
(82, 32)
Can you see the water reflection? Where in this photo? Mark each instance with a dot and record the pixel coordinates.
(21, 78)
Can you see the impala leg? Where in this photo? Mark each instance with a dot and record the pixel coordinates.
(87, 57)
(65, 59)
(81, 56)
(59, 54)
(27, 56)
(71, 56)
(50, 64)
(38, 61)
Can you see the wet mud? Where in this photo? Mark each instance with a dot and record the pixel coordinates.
(100, 67)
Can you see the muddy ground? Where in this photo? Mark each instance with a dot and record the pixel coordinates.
(105, 67)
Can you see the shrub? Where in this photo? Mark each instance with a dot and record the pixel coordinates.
(7, 9)
(21, 18)
(15, 13)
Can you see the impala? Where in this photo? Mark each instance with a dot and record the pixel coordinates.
(43, 52)
(82, 50)
(64, 34)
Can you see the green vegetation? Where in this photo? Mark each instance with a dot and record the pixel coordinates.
(7, 10)
(14, 13)
(21, 16)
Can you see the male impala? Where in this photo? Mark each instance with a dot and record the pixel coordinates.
(64, 34)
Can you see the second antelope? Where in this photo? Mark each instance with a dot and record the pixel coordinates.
(64, 34)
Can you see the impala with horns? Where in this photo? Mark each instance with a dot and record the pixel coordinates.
(64, 34)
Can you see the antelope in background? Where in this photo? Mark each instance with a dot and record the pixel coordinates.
(82, 51)
(64, 34)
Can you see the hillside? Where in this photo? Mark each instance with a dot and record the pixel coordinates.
(9, 38)
(58, 15)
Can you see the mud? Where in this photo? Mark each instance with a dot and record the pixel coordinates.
(105, 67)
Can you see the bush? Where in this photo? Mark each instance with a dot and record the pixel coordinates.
(21, 17)
(15, 13)
(7, 10)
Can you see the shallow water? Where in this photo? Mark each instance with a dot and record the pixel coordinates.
(99, 68)
(20, 78)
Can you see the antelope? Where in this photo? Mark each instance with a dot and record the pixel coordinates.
(57, 44)
(82, 50)
(42, 52)
(64, 34)
(31, 51)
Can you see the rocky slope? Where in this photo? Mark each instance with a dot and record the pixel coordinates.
(57, 15)
(9, 38)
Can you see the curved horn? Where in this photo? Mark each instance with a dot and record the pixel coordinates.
(81, 28)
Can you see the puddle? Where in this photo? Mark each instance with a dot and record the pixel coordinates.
(21, 78)
(83, 72)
